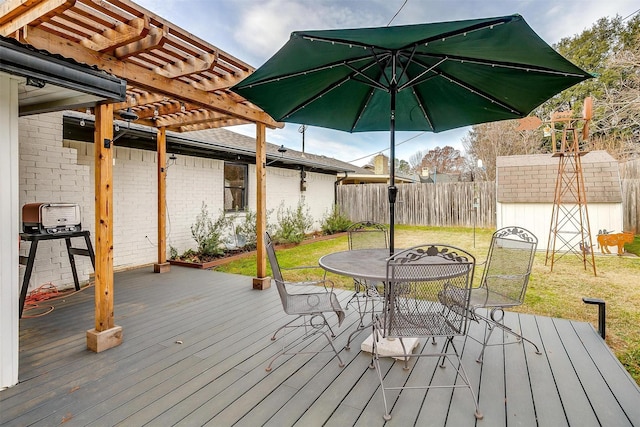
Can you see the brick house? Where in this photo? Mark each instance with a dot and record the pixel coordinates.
(525, 188)
(56, 164)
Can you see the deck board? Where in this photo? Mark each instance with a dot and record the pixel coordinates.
(216, 375)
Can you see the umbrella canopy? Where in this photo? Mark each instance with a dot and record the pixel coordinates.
(426, 77)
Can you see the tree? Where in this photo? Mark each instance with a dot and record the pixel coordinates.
(416, 160)
(443, 160)
(488, 141)
(402, 166)
(594, 50)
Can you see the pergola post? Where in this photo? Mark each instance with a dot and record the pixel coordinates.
(261, 281)
(162, 266)
(106, 334)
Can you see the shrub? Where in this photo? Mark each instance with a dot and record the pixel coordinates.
(246, 231)
(208, 234)
(292, 223)
(173, 252)
(335, 221)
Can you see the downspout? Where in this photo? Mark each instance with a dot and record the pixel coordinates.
(335, 187)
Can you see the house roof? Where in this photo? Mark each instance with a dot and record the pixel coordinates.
(532, 178)
(211, 143)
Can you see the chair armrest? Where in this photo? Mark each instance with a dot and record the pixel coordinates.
(318, 281)
(300, 267)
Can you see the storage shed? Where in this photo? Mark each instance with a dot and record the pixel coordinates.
(526, 184)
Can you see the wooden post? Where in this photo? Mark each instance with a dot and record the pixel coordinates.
(261, 281)
(105, 334)
(162, 266)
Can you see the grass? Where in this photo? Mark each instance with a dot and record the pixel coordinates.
(556, 294)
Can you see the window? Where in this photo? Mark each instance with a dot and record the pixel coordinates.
(235, 191)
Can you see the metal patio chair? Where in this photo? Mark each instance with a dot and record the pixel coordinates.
(308, 309)
(504, 281)
(427, 297)
(366, 235)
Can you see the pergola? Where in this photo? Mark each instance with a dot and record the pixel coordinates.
(175, 81)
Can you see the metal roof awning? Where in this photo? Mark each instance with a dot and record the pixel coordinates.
(77, 84)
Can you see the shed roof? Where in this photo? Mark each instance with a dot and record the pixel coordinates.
(532, 178)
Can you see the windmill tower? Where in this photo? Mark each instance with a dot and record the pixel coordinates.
(569, 232)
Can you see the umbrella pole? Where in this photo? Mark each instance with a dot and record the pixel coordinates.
(393, 190)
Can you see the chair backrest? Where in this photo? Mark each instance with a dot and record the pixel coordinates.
(367, 235)
(275, 270)
(509, 263)
(428, 292)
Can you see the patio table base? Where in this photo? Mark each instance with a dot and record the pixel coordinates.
(389, 346)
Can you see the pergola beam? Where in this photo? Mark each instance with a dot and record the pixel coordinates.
(147, 79)
(123, 34)
(25, 13)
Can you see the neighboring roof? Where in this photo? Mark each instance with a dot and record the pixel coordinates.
(440, 178)
(371, 178)
(40, 68)
(211, 143)
(532, 178)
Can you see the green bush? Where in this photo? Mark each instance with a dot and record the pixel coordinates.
(246, 231)
(208, 234)
(292, 223)
(173, 252)
(335, 221)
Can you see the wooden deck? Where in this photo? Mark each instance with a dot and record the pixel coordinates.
(196, 344)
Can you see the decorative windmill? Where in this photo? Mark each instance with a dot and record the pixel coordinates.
(569, 231)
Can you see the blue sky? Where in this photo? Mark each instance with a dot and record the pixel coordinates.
(253, 30)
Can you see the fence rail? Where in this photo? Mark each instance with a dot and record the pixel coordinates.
(450, 204)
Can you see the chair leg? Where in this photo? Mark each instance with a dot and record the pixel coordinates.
(316, 329)
(375, 363)
(496, 317)
(273, 338)
(447, 355)
(354, 296)
(361, 325)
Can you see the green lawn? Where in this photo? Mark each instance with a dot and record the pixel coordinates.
(557, 294)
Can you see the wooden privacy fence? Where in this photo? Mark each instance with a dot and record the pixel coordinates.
(450, 204)
(443, 204)
(630, 206)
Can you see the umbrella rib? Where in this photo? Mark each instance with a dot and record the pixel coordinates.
(482, 94)
(509, 65)
(424, 111)
(418, 79)
(404, 69)
(368, 79)
(335, 85)
(362, 110)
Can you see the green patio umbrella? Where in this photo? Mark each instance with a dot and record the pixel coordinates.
(426, 77)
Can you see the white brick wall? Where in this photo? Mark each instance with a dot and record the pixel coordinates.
(53, 170)
(49, 172)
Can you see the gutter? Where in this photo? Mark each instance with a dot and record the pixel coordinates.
(23, 60)
(335, 187)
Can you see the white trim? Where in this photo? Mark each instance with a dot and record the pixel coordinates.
(9, 289)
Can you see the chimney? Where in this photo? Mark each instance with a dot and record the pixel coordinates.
(381, 165)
